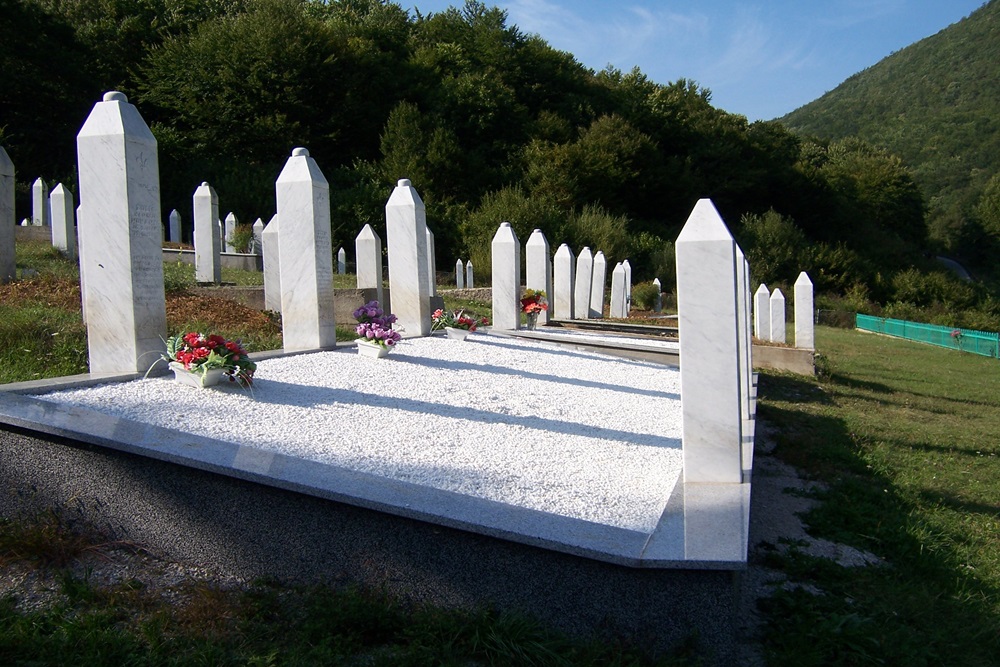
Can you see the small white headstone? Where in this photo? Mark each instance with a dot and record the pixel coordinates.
(63, 221)
(305, 249)
(271, 256)
(174, 223)
(805, 330)
(762, 313)
(231, 223)
(583, 284)
(40, 214)
(368, 257)
(341, 262)
(597, 285)
(258, 237)
(459, 274)
(406, 237)
(8, 264)
(658, 304)
(207, 260)
(561, 300)
(469, 275)
(619, 292)
(538, 268)
(506, 251)
(777, 308)
(628, 286)
(25, 222)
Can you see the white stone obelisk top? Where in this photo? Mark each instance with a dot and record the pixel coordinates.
(583, 284)
(8, 264)
(368, 258)
(207, 249)
(777, 312)
(762, 313)
(470, 275)
(805, 330)
(506, 251)
(258, 237)
(63, 221)
(40, 203)
(658, 303)
(538, 268)
(231, 223)
(561, 299)
(707, 304)
(619, 293)
(121, 255)
(459, 274)
(272, 265)
(305, 250)
(406, 238)
(174, 226)
(597, 285)
(341, 262)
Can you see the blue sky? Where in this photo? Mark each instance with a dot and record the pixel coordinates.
(759, 59)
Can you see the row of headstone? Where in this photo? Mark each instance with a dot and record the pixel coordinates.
(464, 275)
(769, 314)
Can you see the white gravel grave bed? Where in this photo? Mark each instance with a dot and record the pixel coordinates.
(520, 422)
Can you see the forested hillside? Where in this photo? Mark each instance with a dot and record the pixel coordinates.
(489, 123)
(935, 105)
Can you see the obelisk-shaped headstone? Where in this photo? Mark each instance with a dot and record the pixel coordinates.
(628, 286)
(40, 203)
(406, 237)
(762, 313)
(597, 285)
(8, 264)
(658, 302)
(619, 294)
(506, 250)
(805, 330)
(561, 299)
(707, 305)
(431, 264)
(583, 284)
(777, 308)
(258, 240)
(63, 221)
(121, 262)
(231, 223)
(207, 259)
(470, 274)
(538, 268)
(341, 262)
(459, 274)
(368, 257)
(272, 265)
(174, 226)
(305, 247)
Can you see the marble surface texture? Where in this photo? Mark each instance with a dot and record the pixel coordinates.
(459, 274)
(619, 294)
(121, 260)
(743, 331)
(777, 312)
(207, 258)
(431, 264)
(8, 265)
(628, 284)
(805, 330)
(597, 283)
(305, 248)
(63, 221)
(40, 203)
(341, 262)
(506, 252)
(762, 313)
(561, 299)
(230, 226)
(174, 227)
(538, 268)
(368, 257)
(470, 275)
(707, 306)
(583, 284)
(258, 236)
(406, 238)
(272, 265)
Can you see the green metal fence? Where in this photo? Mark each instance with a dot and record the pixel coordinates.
(967, 340)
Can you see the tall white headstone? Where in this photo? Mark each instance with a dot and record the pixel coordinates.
(305, 249)
(805, 330)
(272, 265)
(368, 257)
(628, 286)
(707, 306)
(561, 299)
(258, 237)
(777, 308)
(506, 251)
(583, 284)
(341, 262)
(470, 274)
(406, 237)
(619, 293)
(538, 268)
(207, 260)
(8, 264)
(762, 313)
(597, 284)
(431, 264)
(40, 203)
(63, 221)
(121, 261)
(174, 224)
(658, 303)
(231, 223)
(744, 330)
(459, 274)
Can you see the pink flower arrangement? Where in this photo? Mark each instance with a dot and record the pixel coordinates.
(374, 326)
(533, 301)
(456, 320)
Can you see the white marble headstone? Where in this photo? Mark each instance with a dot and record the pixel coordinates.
(231, 223)
(272, 265)
(561, 299)
(8, 264)
(459, 274)
(777, 308)
(40, 213)
(628, 286)
(469, 275)
(406, 238)
(506, 251)
(762, 313)
(619, 293)
(305, 249)
(341, 262)
(658, 303)
(121, 260)
(805, 330)
(258, 230)
(583, 284)
(207, 260)
(538, 268)
(708, 305)
(431, 264)
(63, 221)
(368, 258)
(597, 284)
(174, 224)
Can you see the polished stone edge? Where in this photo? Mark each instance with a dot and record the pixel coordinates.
(715, 546)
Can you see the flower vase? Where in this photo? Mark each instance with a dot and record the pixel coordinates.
(209, 378)
(457, 334)
(374, 350)
(532, 321)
